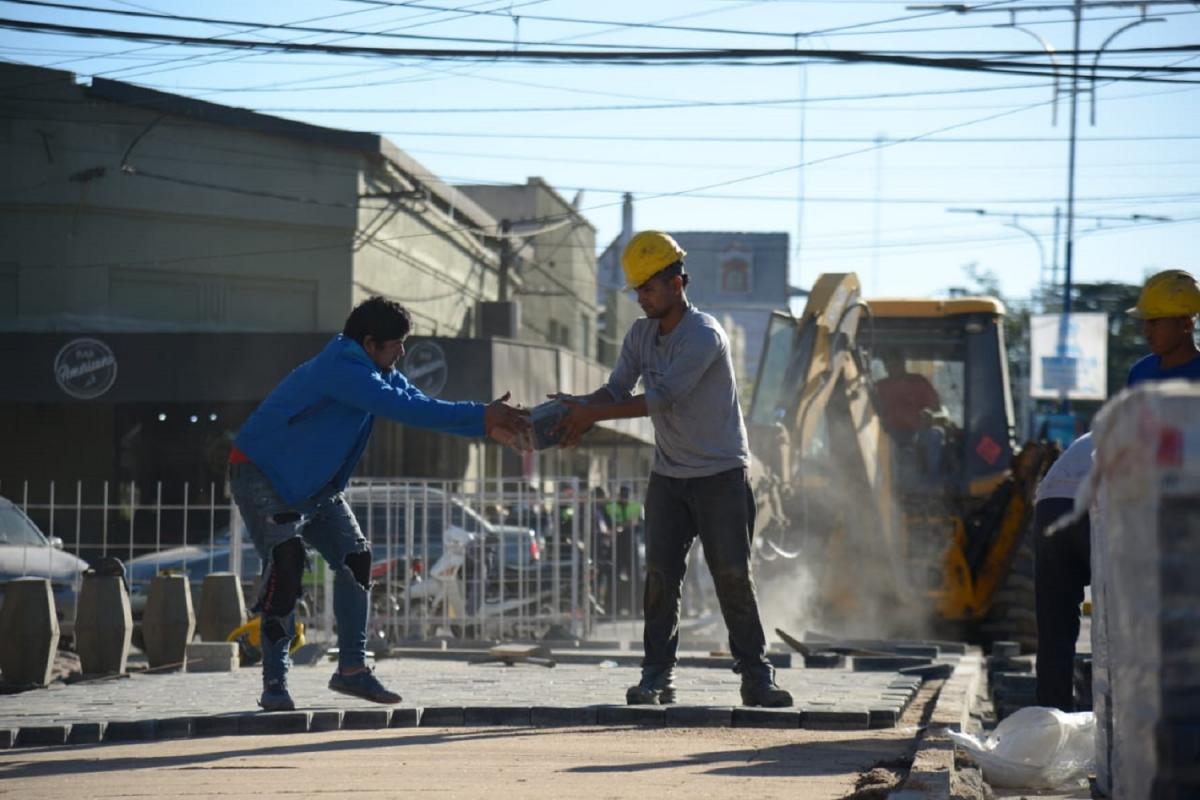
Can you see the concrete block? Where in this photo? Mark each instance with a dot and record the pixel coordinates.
(87, 733)
(562, 716)
(825, 660)
(496, 715)
(816, 719)
(886, 663)
(1005, 650)
(273, 722)
(136, 730)
(42, 735)
(8, 738)
(441, 716)
(883, 716)
(766, 718)
(325, 720)
(176, 728)
(217, 725)
(222, 607)
(929, 672)
(644, 716)
(360, 719)
(921, 650)
(103, 625)
(212, 656)
(168, 621)
(406, 717)
(28, 616)
(699, 717)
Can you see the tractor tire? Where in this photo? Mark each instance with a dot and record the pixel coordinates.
(1013, 613)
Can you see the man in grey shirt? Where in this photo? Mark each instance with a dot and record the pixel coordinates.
(699, 485)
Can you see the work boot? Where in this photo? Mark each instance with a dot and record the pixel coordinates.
(362, 684)
(759, 689)
(275, 696)
(657, 688)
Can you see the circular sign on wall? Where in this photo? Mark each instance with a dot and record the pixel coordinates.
(85, 368)
(425, 366)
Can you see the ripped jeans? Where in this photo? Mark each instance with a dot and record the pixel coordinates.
(720, 510)
(334, 533)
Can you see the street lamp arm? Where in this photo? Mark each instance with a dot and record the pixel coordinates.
(1049, 48)
(1100, 52)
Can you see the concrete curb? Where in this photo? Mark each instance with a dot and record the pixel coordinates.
(932, 775)
(882, 715)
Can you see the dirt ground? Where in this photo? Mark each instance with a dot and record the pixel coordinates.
(463, 762)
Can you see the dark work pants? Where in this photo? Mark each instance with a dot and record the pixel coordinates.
(1063, 567)
(720, 510)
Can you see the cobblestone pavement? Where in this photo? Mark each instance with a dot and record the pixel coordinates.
(447, 692)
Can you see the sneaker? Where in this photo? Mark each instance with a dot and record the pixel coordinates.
(362, 684)
(759, 689)
(275, 696)
(657, 688)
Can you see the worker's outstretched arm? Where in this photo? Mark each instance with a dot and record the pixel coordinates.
(583, 416)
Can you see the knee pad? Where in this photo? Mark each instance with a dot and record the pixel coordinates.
(283, 585)
(359, 565)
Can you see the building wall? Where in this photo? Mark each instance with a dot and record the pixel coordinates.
(744, 275)
(556, 277)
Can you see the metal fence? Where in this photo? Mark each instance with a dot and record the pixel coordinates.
(461, 559)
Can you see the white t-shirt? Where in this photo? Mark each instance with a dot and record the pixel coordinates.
(1067, 473)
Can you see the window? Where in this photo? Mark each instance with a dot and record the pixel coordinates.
(16, 530)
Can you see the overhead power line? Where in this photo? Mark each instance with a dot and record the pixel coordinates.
(973, 61)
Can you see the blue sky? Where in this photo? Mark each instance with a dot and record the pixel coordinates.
(879, 211)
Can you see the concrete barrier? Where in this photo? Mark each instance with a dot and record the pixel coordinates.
(168, 622)
(103, 625)
(28, 632)
(222, 607)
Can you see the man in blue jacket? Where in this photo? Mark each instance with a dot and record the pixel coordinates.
(295, 455)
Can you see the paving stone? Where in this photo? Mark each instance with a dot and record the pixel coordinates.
(8, 738)
(826, 720)
(765, 718)
(1005, 650)
(42, 735)
(406, 717)
(326, 720)
(698, 716)
(217, 725)
(358, 719)
(273, 722)
(137, 730)
(644, 716)
(441, 716)
(923, 650)
(562, 716)
(86, 733)
(482, 716)
(175, 728)
(824, 660)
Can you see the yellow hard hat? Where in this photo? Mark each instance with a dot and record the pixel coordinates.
(1172, 293)
(647, 253)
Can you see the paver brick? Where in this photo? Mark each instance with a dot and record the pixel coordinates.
(497, 715)
(765, 718)
(644, 716)
(136, 730)
(273, 722)
(441, 716)
(41, 735)
(826, 720)
(86, 733)
(329, 719)
(698, 716)
(175, 728)
(562, 716)
(406, 717)
(217, 725)
(358, 719)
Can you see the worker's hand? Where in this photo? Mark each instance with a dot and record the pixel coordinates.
(506, 424)
(579, 420)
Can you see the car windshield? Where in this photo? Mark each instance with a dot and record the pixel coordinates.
(16, 530)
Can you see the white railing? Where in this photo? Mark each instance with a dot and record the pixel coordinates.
(462, 559)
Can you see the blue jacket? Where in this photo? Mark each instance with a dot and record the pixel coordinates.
(310, 431)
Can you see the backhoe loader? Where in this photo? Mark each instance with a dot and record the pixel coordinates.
(887, 471)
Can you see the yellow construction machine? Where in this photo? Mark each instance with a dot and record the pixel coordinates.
(892, 485)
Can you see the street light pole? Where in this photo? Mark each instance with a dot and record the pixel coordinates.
(1069, 252)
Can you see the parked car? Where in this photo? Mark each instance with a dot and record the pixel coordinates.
(26, 552)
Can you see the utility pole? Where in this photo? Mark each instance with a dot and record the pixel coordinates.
(506, 258)
(1069, 252)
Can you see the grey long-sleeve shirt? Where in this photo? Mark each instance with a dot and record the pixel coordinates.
(690, 393)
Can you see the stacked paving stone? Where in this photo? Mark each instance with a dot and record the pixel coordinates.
(1010, 677)
(437, 693)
